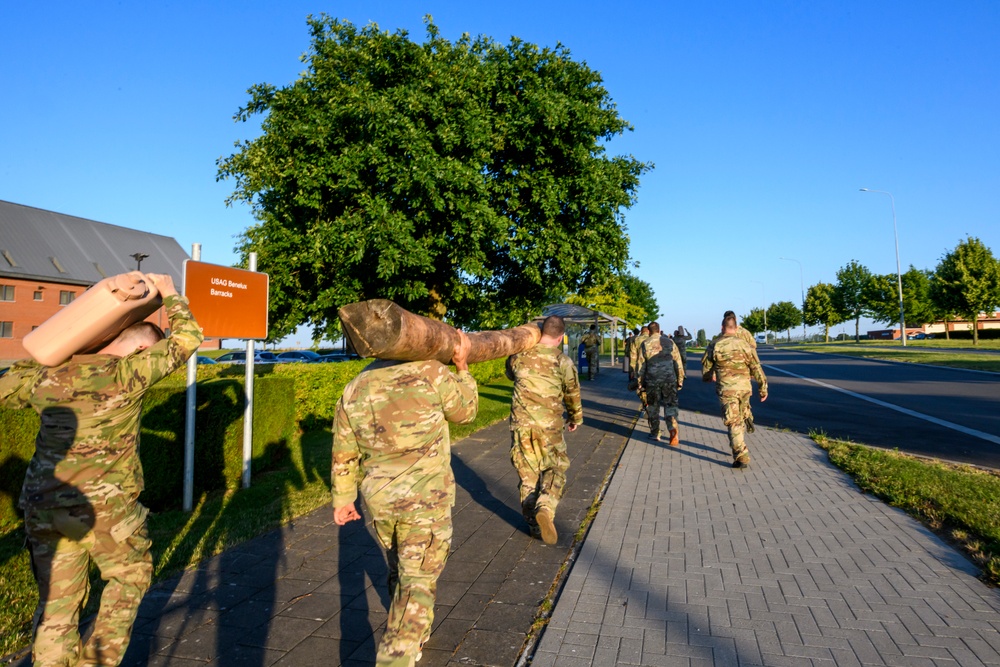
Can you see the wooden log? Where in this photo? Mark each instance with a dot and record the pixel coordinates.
(382, 329)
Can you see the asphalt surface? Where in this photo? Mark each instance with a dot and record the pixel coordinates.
(969, 400)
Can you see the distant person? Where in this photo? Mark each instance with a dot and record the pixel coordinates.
(627, 356)
(731, 362)
(545, 382)
(661, 376)
(592, 346)
(637, 342)
(680, 338)
(391, 438)
(81, 491)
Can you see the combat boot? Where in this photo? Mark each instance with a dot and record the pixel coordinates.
(748, 423)
(675, 438)
(547, 524)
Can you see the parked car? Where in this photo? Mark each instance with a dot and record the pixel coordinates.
(920, 335)
(761, 339)
(298, 355)
(207, 360)
(335, 357)
(241, 358)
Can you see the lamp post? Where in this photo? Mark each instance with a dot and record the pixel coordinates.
(762, 305)
(138, 257)
(899, 273)
(802, 291)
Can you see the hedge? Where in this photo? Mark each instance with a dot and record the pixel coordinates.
(218, 430)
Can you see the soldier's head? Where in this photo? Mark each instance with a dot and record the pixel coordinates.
(136, 337)
(654, 328)
(645, 329)
(729, 322)
(553, 327)
(593, 327)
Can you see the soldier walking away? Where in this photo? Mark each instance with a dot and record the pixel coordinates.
(391, 439)
(681, 337)
(731, 362)
(592, 344)
(661, 376)
(545, 381)
(81, 491)
(627, 357)
(633, 381)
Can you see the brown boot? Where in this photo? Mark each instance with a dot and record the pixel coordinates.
(675, 438)
(546, 522)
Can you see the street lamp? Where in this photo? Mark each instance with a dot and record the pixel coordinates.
(138, 257)
(762, 305)
(802, 290)
(899, 274)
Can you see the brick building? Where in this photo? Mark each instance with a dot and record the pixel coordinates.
(47, 259)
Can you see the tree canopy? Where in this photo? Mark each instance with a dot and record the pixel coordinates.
(612, 299)
(820, 309)
(883, 298)
(967, 282)
(782, 316)
(640, 293)
(465, 179)
(850, 295)
(755, 321)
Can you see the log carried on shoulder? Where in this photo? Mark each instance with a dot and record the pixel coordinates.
(380, 328)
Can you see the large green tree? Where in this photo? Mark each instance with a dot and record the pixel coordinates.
(641, 294)
(850, 294)
(820, 309)
(466, 180)
(782, 316)
(967, 282)
(755, 321)
(883, 298)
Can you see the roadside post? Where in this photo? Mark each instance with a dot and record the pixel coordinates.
(228, 303)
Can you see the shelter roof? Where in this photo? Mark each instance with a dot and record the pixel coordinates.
(36, 244)
(571, 312)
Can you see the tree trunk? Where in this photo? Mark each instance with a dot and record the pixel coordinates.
(826, 332)
(382, 329)
(975, 329)
(857, 329)
(947, 329)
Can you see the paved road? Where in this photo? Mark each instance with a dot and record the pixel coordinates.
(967, 400)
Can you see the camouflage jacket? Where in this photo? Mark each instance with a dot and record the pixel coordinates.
(591, 342)
(733, 362)
(636, 346)
(659, 362)
(745, 335)
(390, 435)
(545, 381)
(87, 447)
(681, 341)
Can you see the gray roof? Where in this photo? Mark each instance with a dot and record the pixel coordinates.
(36, 244)
(571, 312)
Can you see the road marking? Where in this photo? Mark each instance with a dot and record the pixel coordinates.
(919, 415)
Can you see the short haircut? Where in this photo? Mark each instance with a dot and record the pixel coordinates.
(645, 327)
(553, 326)
(593, 326)
(141, 333)
(654, 327)
(729, 320)
(728, 313)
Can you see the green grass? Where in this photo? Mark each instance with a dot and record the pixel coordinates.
(959, 503)
(219, 520)
(926, 355)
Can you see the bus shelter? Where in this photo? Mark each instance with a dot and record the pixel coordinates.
(578, 320)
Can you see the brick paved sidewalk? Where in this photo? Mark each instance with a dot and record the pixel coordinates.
(691, 563)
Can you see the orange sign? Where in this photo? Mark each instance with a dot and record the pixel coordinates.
(227, 302)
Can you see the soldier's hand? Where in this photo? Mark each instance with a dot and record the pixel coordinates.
(763, 397)
(572, 427)
(462, 348)
(680, 385)
(163, 282)
(342, 515)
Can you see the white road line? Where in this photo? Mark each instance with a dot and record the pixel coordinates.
(919, 415)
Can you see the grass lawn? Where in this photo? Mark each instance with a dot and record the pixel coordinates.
(959, 503)
(219, 520)
(923, 355)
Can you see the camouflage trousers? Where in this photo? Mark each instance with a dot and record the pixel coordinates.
(63, 542)
(416, 549)
(735, 413)
(593, 363)
(541, 461)
(662, 394)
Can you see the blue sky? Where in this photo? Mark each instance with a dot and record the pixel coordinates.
(763, 120)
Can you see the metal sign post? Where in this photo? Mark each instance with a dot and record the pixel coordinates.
(189, 411)
(248, 410)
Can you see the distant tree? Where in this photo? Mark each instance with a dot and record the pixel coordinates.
(640, 293)
(820, 308)
(783, 316)
(609, 298)
(755, 321)
(850, 294)
(466, 180)
(967, 282)
(883, 298)
(701, 338)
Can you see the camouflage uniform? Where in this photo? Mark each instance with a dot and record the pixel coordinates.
(661, 374)
(591, 343)
(545, 381)
(391, 439)
(732, 362)
(80, 494)
(681, 341)
(628, 353)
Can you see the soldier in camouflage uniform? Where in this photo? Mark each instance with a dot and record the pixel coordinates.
(80, 494)
(627, 357)
(681, 337)
(391, 439)
(545, 381)
(731, 362)
(661, 376)
(591, 346)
